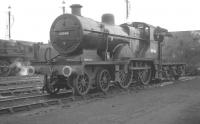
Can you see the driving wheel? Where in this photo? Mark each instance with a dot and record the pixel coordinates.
(103, 80)
(145, 75)
(124, 79)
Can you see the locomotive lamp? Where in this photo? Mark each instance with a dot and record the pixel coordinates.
(31, 70)
(67, 71)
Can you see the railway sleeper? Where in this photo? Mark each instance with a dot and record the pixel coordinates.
(28, 107)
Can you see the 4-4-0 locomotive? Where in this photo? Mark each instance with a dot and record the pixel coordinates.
(95, 54)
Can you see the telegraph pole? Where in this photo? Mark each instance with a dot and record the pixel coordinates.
(63, 6)
(9, 24)
(127, 9)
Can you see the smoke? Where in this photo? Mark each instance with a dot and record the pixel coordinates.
(23, 68)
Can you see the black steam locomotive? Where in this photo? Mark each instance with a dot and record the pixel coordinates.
(95, 54)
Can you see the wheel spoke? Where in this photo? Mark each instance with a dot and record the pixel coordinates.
(103, 80)
(124, 79)
(145, 76)
(82, 85)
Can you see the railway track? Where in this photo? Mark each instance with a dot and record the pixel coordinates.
(17, 104)
(19, 81)
(19, 77)
(19, 87)
(20, 90)
(30, 102)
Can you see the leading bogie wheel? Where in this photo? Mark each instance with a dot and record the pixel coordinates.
(103, 79)
(51, 86)
(81, 84)
(180, 70)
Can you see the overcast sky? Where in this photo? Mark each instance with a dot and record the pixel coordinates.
(32, 18)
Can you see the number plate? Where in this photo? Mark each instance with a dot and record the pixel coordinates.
(63, 33)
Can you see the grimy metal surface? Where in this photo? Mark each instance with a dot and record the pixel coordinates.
(44, 100)
(70, 32)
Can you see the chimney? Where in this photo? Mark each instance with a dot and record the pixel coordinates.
(76, 9)
(108, 19)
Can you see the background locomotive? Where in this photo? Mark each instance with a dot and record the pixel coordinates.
(95, 54)
(14, 54)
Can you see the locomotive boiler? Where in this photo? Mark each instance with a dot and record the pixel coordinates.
(71, 34)
(98, 54)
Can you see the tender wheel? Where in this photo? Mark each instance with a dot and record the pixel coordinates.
(82, 84)
(103, 80)
(124, 79)
(51, 86)
(176, 74)
(165, 73)
(180, 70)
(145, 76)
(173, 73)
(4, 69)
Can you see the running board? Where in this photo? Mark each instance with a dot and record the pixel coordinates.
(139, 68)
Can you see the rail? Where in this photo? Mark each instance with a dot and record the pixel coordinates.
(27, 103)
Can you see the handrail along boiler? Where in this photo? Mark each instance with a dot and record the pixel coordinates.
(95, 54)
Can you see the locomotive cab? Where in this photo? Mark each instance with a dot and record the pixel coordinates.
(149, 32)
(144, 30)
(153, 37)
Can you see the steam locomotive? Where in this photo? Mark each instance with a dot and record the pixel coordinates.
(95, 54)
(14, 55)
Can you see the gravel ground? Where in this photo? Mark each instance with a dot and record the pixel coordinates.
(177, 103)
